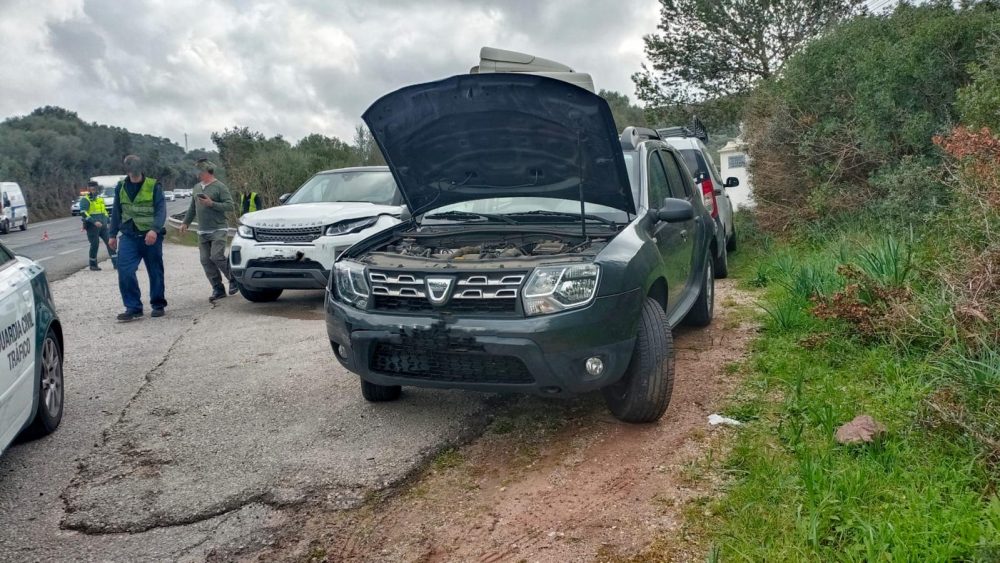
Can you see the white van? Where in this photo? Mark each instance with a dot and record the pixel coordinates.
(14, 210)
(108, 186)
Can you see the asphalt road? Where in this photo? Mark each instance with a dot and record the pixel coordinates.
(66, 250)
(195, 435)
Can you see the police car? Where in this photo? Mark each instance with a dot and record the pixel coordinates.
(31, 351)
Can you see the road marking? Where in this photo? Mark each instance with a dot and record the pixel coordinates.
(44, 259)
(71, 251)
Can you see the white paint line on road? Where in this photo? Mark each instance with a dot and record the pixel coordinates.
(44, 259)
(71, 251)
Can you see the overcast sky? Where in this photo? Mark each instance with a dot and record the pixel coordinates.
(289, 67)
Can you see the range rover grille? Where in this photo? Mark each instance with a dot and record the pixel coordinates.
(307, 234)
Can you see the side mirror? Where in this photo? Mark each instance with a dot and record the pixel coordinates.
(732, 182)
(675, 210)
(284, 198)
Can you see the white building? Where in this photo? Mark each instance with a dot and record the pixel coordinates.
(733, 161)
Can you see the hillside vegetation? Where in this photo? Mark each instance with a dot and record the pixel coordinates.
(876, 248)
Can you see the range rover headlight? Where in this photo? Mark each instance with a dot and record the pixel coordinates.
(245, 231)
(352, 226)
(551, 289)
(351, 285)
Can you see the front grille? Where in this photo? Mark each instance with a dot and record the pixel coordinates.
(307, 234)
(445, 365)
(470, 293)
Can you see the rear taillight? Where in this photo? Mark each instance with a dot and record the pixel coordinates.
(708, 196)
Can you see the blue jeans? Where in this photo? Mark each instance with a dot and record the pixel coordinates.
(131, 250)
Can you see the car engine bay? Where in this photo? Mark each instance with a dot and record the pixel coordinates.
(492, 247)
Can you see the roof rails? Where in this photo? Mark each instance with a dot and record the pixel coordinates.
(696, 129)
(632, 136)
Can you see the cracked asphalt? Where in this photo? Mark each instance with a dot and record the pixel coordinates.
(192, 435)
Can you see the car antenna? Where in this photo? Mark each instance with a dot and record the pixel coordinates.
(583, 207)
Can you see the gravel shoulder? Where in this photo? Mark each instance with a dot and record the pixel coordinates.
(553, 480)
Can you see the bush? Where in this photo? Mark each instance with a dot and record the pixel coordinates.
(849, 125)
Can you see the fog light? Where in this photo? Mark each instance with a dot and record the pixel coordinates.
(342, 351)
(595, 366)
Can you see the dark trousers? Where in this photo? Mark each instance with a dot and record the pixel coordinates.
(133, 249)
(95, 236)
(214, 261)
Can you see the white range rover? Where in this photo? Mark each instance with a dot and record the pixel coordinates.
(294, 245)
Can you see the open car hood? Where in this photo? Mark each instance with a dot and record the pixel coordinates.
(500, 135)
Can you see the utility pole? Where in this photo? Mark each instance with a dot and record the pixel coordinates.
(185, 143)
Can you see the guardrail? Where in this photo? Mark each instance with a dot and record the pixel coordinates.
(176, 219)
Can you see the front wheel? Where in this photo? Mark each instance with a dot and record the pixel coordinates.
(50, 392)
(643, 393)
(5, 227)
(259, 295)
(24, 224)
(374, 393)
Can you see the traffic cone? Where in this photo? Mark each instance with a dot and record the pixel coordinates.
(45, 235)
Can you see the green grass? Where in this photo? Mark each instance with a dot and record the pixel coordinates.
(925, 492)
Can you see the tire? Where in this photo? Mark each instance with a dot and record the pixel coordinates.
(643, 393)
(721, 264)
(24, 224)
(731, 241)
(5, 227)
(704, 308)
(49, 413)
(374, 393)
(259, 295)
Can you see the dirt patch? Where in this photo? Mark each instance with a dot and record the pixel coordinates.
(554, 481)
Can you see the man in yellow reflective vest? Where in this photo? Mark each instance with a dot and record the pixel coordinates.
(139, 214)
(95, 221)
(250, 202)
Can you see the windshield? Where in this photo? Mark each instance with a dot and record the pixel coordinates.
(372, 186)
(515, 205)
(108, 192)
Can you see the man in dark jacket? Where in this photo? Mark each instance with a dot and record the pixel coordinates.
(95, 221)
(139, 215)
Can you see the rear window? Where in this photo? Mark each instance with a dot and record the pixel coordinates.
(695, 162)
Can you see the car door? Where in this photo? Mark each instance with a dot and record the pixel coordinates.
(669, 236)
(681, 188)
(17, 340)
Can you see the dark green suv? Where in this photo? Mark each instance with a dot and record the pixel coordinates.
(545, 253)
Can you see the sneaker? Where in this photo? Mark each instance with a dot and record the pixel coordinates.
(217, 294)
(233, 288)
(129, 316)
(157, 313)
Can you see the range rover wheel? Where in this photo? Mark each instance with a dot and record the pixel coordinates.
(643, 393)
(50, 392)
(259, 295)
(704, 308)
(374, 393)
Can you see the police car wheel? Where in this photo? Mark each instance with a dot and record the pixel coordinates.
(50, 393)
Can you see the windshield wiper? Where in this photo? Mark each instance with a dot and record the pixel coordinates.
(544, 213)
(460, 215)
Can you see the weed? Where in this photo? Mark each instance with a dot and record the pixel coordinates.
(448, 459)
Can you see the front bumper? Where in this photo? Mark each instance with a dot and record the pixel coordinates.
(543, 355)
(276, 265)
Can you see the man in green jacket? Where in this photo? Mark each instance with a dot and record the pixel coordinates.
(211, 201)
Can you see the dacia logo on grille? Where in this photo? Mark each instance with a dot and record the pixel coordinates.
(439, 289)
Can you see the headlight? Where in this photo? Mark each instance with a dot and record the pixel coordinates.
(351, 284)
(351, 226)
(552, 289)
(245, 231)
